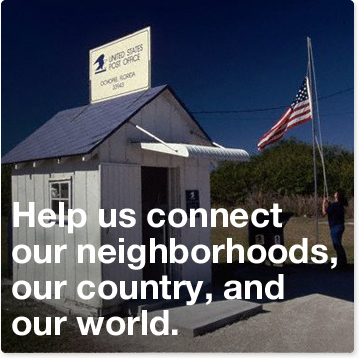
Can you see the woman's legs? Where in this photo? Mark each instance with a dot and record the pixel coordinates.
(336, 233)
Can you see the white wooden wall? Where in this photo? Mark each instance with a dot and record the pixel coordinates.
(195, 176)
(165, 118)
(85, 194)
(120, 189)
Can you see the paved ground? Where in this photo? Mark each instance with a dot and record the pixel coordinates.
(314, 323)
(317, 316)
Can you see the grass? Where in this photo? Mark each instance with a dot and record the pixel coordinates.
(296, 229)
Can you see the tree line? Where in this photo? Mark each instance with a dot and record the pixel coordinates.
(282, 171)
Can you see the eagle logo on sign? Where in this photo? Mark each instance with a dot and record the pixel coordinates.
(100, 62)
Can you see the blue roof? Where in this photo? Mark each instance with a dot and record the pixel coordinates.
(80, 130)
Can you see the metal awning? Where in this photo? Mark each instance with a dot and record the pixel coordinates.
(202, 151)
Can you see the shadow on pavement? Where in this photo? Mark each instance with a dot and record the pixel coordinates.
(299, 280)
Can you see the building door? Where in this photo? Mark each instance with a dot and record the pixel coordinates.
(154, 195)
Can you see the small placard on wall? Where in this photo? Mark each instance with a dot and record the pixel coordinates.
(192, 200)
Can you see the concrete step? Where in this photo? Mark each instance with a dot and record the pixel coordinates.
(200, 318)
(135, 307)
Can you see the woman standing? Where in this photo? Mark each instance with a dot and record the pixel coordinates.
(335, 211)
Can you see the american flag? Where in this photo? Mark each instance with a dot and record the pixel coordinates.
(300, 111)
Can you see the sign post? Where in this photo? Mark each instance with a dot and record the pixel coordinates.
(121, 67)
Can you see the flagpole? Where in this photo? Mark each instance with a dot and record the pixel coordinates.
(320, 144)
(309, 79)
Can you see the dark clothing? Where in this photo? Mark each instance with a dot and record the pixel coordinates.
(336, 232)
(335, 212)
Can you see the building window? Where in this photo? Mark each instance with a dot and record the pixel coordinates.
(60, 191)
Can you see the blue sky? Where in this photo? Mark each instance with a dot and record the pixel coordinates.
(216, 55)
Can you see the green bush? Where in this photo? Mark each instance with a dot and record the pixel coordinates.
(285, 169)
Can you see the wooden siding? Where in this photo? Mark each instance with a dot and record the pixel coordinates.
(86, 195)
(120, 189)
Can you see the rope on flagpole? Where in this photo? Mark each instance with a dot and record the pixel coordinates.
(309, 85)
(320, 144)
(321, 154)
